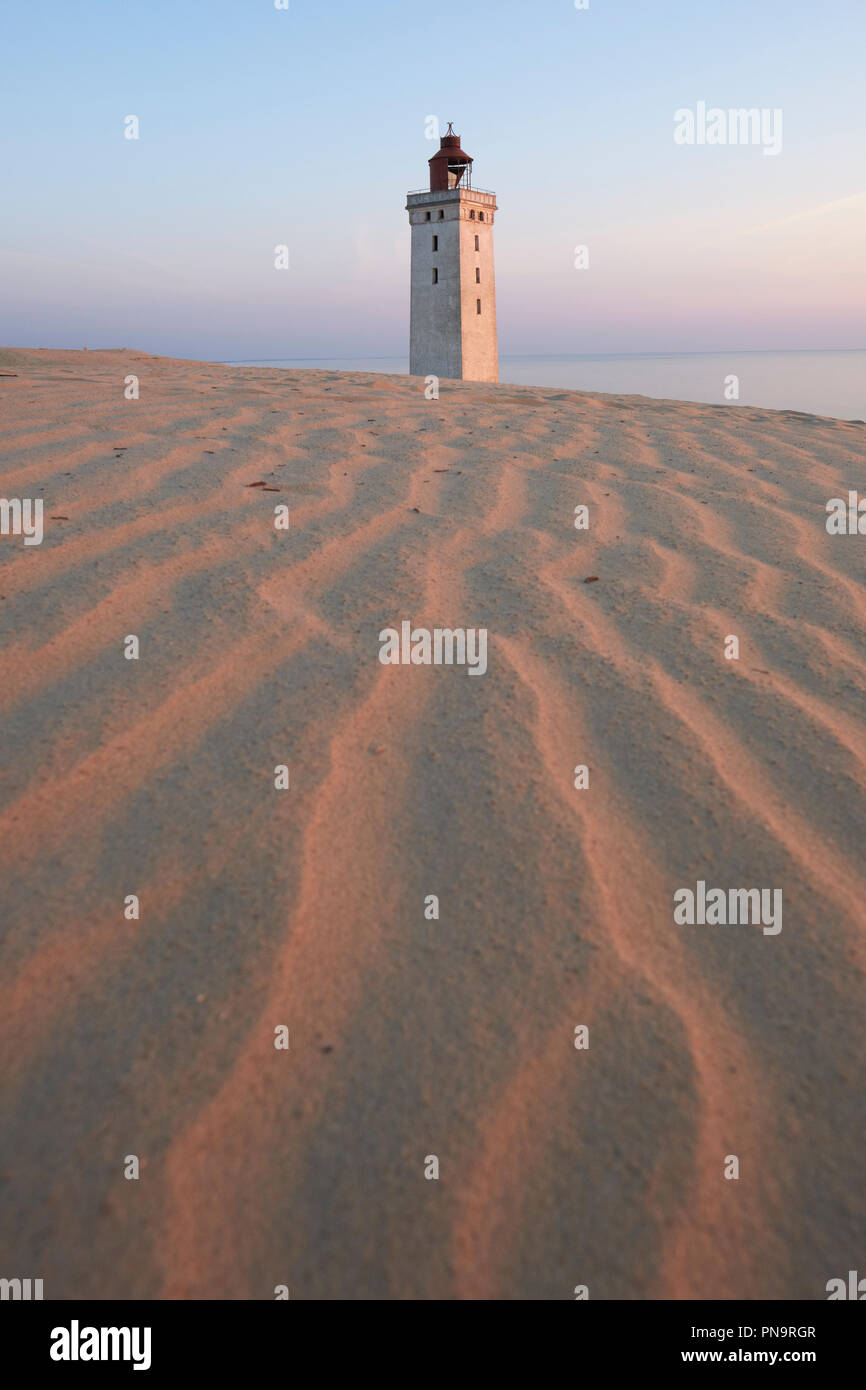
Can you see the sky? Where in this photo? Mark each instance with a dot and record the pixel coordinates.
(306, 127)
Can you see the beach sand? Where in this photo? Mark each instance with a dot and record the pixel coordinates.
(413, 1037)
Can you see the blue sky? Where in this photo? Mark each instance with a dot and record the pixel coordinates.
(306, 127)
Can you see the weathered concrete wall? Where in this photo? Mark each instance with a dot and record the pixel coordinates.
(447, 335)
(434, 315)
(478, 336)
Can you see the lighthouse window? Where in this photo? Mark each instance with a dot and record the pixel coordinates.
(477, 244)
(478, 303)
(435, 276)
(441, 216)
(472, 215)
(427, 217)
(481, 217)
(435, 243)
(478, 275)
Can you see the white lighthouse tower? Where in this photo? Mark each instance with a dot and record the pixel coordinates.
(452, 323)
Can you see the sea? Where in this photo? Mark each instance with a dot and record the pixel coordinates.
(830, 382)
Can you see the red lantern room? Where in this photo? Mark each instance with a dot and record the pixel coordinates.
(450, 167)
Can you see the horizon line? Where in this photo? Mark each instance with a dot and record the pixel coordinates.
(536, 356)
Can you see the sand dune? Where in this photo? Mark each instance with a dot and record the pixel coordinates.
(306, 908)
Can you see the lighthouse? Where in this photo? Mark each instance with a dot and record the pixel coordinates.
(452, 316)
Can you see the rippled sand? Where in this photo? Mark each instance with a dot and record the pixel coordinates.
(413, 1037)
